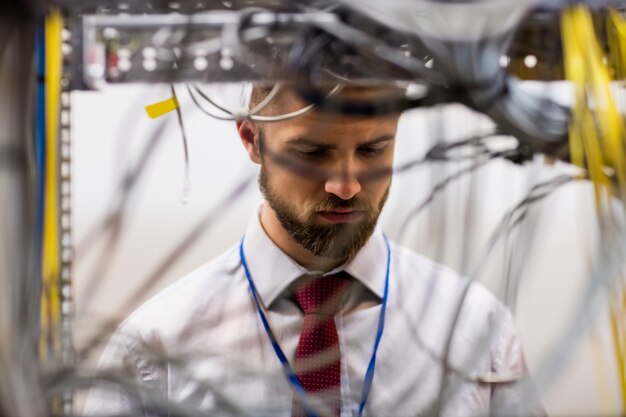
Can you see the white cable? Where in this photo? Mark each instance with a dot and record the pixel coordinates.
(232, 116)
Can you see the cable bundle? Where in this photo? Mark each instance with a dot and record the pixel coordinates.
(596, 127)
(616, 39)
(598, 136)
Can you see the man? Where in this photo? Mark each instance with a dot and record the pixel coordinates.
(315, 312)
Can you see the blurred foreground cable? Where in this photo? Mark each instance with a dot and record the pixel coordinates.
(617, 58)
(598, 138)
(20, 395)
(616, 37)
(596, 127)
(50, 299)
(51, 343)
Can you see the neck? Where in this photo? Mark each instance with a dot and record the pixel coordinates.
(287, 244)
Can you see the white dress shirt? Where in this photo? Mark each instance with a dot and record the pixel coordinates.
(200, 343)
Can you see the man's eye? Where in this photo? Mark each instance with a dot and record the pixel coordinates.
(311, 154)
(371, 150)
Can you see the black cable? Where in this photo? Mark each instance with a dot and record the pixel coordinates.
(537, 193)
(181, 125)
(195, 101)
(305, 60)
(158, 273)
(440, 186)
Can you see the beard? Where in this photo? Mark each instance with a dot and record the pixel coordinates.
(339, 242)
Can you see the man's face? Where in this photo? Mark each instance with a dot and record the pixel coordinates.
(327, 177)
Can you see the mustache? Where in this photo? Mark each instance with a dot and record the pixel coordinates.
(332, 202)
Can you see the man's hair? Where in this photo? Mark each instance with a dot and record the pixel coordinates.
(261, 91)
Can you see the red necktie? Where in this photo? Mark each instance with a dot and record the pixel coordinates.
(317, 363)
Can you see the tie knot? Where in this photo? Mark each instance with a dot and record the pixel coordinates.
(322, 295)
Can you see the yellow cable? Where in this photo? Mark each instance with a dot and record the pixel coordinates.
(616, 36)
(597, 131)
(609, 121)
(50, 303)
(582, 134)
(572, 62)
(597, 128)
(585, 38)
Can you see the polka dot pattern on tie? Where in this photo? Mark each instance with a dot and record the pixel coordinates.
(317, 363)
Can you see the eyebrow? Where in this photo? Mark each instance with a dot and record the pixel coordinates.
(310, 142)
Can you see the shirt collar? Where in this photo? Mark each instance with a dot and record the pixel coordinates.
(273, 271)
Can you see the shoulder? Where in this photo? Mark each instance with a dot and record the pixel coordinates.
(162, 325)
(421, 273)
(442, 296)
(443, 302)
(169, 309)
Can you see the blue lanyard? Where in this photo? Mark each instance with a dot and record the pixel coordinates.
(291, 375)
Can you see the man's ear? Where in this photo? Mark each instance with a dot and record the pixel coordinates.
(248, 133)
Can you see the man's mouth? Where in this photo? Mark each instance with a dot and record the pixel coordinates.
(341, 215)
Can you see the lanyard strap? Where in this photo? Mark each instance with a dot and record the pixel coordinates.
(291, 375)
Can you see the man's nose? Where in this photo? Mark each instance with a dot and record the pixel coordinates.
(344, 183)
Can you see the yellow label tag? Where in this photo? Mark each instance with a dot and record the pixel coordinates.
(159, 109)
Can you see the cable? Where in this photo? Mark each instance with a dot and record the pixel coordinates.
(51, 308)
(439, 187)
(179, 115)
(111, 226)
(253, 114)
(308, 74)
(538, 192)
(169, 260)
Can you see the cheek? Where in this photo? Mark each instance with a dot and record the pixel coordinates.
(376, 177)
(377, 189)
(295, 187)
